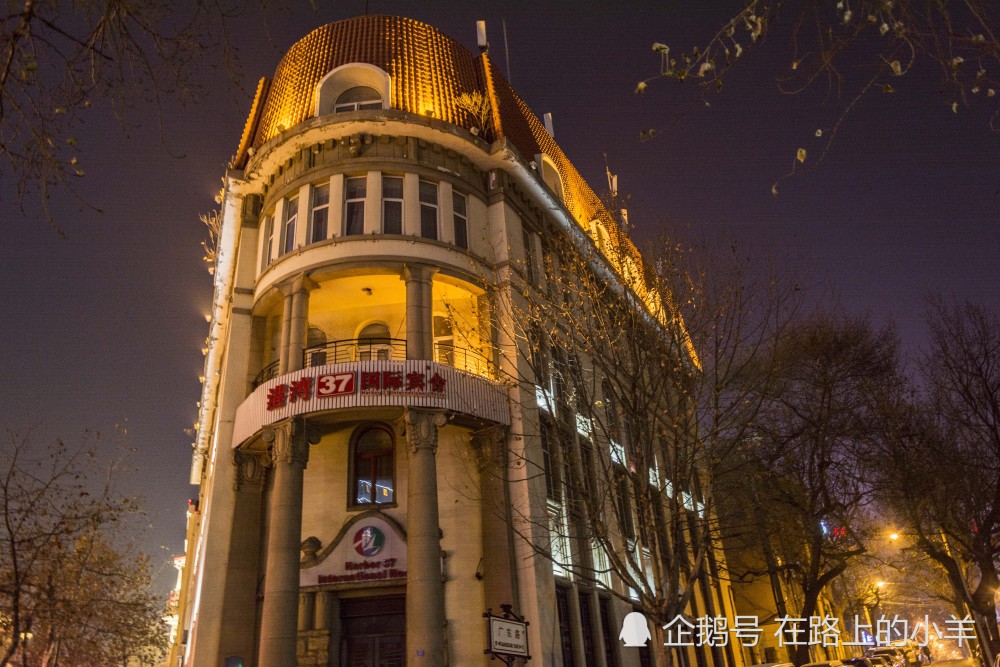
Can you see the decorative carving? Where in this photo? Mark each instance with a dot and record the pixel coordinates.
(422, 429)
(288, 442)
(309, 547)
(488, 446)
(251, 467)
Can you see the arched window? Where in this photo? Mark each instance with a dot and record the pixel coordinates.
(374, 342)
(551, 177)
(352, 87)
(357, 98)
(372, 476)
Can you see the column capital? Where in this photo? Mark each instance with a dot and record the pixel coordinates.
(299, 283)
(422, 273)
(488, 444)
(289, 441)
(421, 428)
(250, 469)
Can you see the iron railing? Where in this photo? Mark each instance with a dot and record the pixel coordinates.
(354, 349)
(374, 349)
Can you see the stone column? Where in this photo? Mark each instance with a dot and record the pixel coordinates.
(298, 320)
(497, 566)
(239, 607)
(419, 311)
(279, 624)
(286, 322)
(424, 584)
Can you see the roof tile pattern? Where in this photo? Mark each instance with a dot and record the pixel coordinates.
(428, 70)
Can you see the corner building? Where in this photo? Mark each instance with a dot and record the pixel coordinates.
(358, 447)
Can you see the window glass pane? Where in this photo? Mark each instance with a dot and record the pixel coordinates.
(383, 480)
(318, 225)
(358, 94)
(321, 195)
(354, 220)
(461, 220)
(392, 217)
(356, 187)
(392, 205)
(392, 187)
(363, 475)
(461, 233)
(428, 222)
(428, 192)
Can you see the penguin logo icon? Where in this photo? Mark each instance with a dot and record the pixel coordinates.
(635, 630)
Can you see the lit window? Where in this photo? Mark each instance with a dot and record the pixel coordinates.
(288, 230)
(392, 205)
(358, 98)
(444, 340)
(374, 342)
(320, 212)
(373, 481)
(461, 220)
(428, 210)
(355, 190)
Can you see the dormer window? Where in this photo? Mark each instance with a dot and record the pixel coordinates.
(352, 87)
(358, 98)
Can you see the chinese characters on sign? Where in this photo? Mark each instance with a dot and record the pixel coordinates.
(814, 631)
(341, 384)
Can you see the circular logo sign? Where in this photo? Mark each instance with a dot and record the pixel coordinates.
(369, 541)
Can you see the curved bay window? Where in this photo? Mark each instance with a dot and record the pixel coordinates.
(372, 477)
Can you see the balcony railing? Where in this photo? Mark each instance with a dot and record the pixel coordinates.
(354, 349)
(379, 349)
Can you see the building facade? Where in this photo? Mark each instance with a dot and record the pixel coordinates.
(370, 465)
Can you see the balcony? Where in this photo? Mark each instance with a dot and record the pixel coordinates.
(383, 349)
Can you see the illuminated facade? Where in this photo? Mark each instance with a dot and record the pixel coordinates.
(357, 426)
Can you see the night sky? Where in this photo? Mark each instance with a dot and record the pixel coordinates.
(105, 328)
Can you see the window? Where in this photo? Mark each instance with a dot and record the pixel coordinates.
(320, 212)
(374, 342)
(288, 230)
(550, 174)
(428, 210)
(372, 480)
(461, 219)
(547, 435)
(444, 340)
(623, 506)
(587, 629)
(606, 630)
(529, 255)
(355, 190)
(565, 632)
(392, 205)
(265, 255)
(358, 98)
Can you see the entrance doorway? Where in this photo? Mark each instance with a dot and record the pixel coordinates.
(374, 632)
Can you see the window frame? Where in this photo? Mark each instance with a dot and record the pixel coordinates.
(357, 105)
(352, 469)
(356, 201)
(291, 218)
(394, 200)
(460, 220)
(426, 207)
(319, 208)
(265, 260)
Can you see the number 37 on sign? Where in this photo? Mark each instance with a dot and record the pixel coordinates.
(337, 384)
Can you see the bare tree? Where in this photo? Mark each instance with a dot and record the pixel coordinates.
(636, 372)
(820, 421)
(852, 48)
(58, 59)
(944, 475)
(68, 587)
